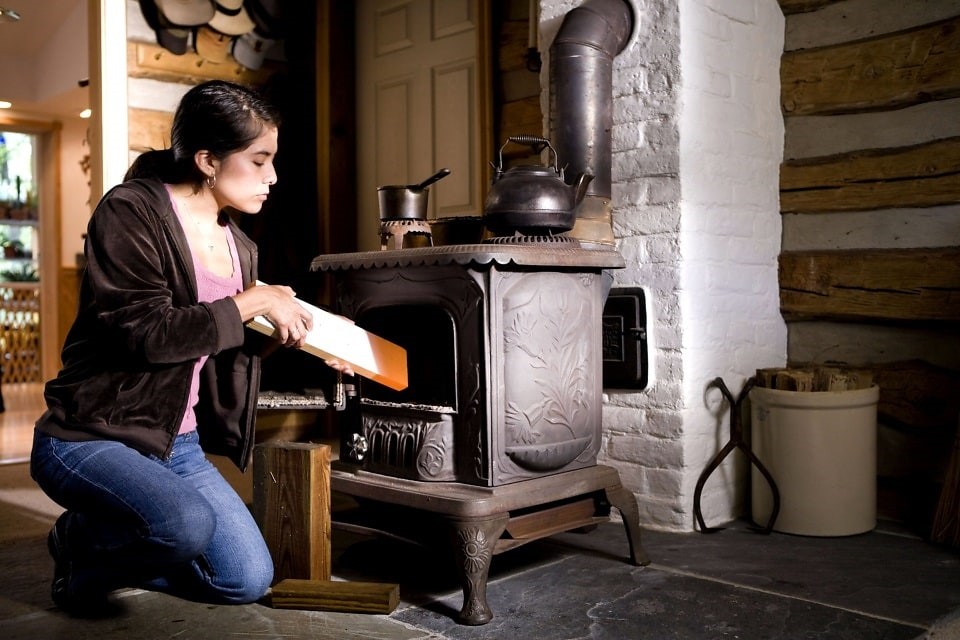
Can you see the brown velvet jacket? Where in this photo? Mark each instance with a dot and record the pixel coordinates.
(129, 356)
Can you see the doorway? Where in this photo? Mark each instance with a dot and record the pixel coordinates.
(20, 343)
(31, 225)
(29, 254)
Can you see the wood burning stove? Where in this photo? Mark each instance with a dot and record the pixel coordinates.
(504, 360)
(501, 421)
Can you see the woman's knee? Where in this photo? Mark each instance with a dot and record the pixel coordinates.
(248, 582)
(186, 531)
(256, 585)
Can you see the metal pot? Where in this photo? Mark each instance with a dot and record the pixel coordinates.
(407, 202)
(457, 230)
(532, 199)
(398, 202)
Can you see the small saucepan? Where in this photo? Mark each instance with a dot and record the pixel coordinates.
(399, 202)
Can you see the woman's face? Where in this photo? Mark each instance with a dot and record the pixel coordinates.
(244, 178)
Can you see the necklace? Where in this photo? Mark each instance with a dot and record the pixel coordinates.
(205, 229)
(206, 232)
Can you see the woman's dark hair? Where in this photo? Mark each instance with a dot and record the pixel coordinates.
(217, 116)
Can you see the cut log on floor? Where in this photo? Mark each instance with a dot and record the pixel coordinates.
(344, 597)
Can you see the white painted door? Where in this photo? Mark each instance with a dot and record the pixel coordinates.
(418, 110)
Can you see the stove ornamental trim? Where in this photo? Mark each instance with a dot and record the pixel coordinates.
(521, 255)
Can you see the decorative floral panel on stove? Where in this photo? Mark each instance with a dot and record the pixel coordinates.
(550, 403)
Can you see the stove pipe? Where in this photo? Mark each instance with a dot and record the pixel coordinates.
(581, 104)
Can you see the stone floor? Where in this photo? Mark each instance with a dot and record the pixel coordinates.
(735, 583)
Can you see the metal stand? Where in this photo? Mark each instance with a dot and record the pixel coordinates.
(480, 522)
(736, 442)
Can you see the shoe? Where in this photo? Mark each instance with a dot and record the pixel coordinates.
(56, 545)
(82, 603)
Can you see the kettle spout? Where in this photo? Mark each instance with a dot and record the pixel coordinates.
(580, 186)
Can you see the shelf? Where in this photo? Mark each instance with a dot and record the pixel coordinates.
(11, 222)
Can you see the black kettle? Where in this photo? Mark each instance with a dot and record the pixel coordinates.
(532, 199)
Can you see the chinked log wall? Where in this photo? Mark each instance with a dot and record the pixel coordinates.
(870, 267)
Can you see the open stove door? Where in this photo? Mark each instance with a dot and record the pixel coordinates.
(625, 364)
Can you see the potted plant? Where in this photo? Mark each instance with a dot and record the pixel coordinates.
(11, 248)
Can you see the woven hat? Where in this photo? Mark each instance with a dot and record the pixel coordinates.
(251, 48)
(172, 38)
(187, 13)
(231, 18)
(212, 45)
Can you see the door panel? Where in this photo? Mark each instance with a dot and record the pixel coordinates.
(454, 145)
(417, 105)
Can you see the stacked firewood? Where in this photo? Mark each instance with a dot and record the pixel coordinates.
(814, 378)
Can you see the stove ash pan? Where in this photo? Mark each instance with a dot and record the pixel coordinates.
(505, 370)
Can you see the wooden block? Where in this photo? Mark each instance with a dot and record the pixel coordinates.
(291, 504)
(767, 378)
(829, 379)
(795, 380)
(334, 336)
(348, 597)
(860, 379)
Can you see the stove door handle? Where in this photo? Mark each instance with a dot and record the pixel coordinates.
(358, 448)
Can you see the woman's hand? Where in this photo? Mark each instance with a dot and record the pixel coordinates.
(278, 304)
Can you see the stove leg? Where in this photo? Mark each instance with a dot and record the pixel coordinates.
(474, 547)
(626, 503)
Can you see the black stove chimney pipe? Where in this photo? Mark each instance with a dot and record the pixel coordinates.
(581, 105)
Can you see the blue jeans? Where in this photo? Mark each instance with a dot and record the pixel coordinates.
(136, 520)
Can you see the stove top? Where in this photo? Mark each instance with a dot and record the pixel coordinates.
(561, 254)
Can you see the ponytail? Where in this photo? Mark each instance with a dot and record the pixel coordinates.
(156, 163)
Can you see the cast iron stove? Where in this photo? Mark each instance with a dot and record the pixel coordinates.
(495, 440)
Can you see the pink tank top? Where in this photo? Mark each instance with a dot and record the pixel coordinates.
(210, 287)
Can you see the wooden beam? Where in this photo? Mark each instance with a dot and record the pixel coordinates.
(145, 60)
(922, 175)
(149, 129)
(291, 503)
(876, 284)
(888, 71)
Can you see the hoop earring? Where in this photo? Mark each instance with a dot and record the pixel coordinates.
(211, 181)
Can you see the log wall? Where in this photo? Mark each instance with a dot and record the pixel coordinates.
(870, 199)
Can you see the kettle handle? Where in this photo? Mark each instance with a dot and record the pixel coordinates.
(537, 143)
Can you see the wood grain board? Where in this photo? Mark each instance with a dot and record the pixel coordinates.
(878, 284)
(891, 70)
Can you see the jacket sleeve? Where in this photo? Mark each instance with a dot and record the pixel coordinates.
(143, 284)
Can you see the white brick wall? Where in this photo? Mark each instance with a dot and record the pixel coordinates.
(697, 144)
